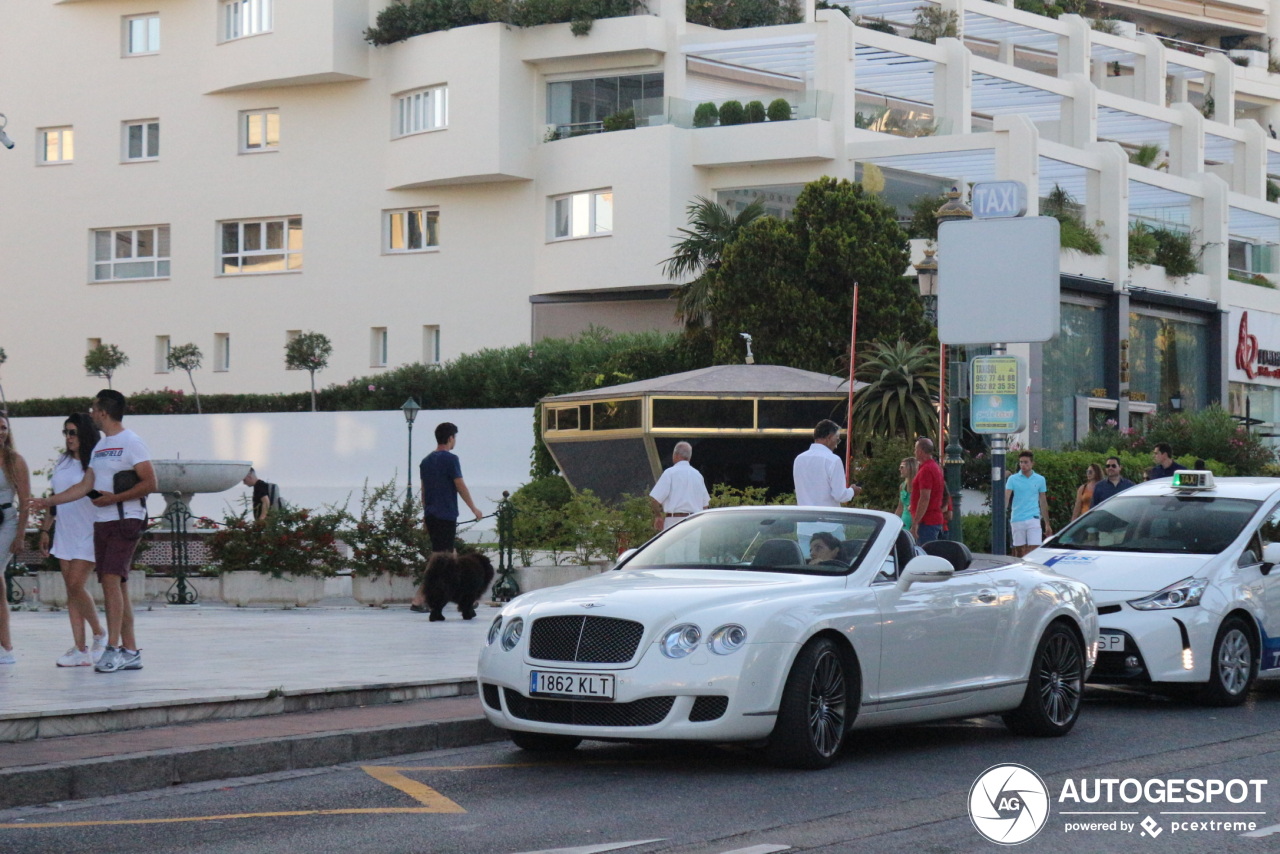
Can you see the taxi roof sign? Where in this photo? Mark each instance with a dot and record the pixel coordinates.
(1189, 479)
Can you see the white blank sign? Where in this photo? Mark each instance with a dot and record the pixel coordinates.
(998, 281)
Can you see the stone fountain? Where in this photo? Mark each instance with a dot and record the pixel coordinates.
(179, 480)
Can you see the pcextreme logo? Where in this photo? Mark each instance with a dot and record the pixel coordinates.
(1009, 804)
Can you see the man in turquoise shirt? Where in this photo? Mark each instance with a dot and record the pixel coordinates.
(1025, 494)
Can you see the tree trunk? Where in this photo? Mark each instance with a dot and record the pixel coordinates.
(313, 391)
(195, 391)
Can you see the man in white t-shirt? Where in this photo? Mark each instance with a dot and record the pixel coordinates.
(680, 491)
(819, 479)
(118, 525)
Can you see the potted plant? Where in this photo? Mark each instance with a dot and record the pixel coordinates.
(705, 115)
(732, 113)
(755, 112)
(779, 110)
(280, 560)
(389, 546)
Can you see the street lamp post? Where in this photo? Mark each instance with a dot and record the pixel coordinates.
(410, 409)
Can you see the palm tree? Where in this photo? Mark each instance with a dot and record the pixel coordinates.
(901, 392)
(712, 227)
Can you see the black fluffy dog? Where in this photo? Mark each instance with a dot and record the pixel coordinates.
(456, 578)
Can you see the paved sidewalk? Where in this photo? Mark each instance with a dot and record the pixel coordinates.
(229, 692)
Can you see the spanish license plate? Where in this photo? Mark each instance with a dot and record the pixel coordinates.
(594, 686)
(1110, 642)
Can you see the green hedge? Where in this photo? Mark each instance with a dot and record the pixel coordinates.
(494, 378)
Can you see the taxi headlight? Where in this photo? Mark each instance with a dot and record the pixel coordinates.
(727, 639)
(493, 630)
(680, 640)
(511, 634)
(1182, 594)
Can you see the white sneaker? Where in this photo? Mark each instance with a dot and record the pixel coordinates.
(75, 658)
(99, 646)
(6, 656)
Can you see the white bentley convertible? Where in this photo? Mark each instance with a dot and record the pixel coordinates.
(788, 627)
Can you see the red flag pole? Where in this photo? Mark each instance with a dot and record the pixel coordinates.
(848, 417)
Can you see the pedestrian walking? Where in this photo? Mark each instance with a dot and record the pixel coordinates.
(927, 491)
(680, 490)
(440, 474)
(1026, 495)
(1164, 463)
(1084, 494)
(907, 471)
(820, 479)
(72, 545)
(15, 499)
(1112, 482)
(119, 478)
(264, 495)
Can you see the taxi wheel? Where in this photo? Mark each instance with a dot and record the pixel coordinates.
(1051, 703)
(1234, 665)
(819, 701)
(542, 742)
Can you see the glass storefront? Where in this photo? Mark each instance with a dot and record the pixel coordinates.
(1168, 357)
(1073, 364)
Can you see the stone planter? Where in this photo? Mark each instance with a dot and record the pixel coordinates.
(382, 589)
(537, 577)
(256, 588)
(53, 590)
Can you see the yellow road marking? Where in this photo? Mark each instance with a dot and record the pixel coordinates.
(420, 792)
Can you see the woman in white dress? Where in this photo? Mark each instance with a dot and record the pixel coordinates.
(15, 496)
(73, 541)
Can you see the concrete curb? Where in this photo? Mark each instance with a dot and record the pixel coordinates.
(158, 769)
(58, 723)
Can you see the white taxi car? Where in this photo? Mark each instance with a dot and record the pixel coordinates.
(721, 629)
(1182, 570)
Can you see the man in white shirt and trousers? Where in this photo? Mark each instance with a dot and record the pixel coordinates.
(679, 492)
(819, 478)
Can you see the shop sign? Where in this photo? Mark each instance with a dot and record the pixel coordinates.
(1255, 350)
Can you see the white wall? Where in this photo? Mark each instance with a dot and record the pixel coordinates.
(318, 457)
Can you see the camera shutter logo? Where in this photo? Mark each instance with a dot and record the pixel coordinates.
(1009, 804)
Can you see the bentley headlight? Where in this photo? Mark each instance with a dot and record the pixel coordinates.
(681, 640)
(511, 634)
(727, 639)
(493, 630)
(1182, 594)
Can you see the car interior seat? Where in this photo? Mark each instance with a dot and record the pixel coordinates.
(956, 552)
(779, 553)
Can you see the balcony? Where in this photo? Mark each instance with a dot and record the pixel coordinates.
(317, 42)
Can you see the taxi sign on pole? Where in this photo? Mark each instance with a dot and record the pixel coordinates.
(998, 199)
(998, 401)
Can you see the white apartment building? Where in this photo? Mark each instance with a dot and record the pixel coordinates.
(233, 172)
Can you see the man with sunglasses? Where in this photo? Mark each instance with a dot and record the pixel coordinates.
(1112, 483)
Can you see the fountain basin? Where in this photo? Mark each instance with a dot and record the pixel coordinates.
(178, 480)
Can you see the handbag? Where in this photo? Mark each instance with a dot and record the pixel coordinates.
(123, 481)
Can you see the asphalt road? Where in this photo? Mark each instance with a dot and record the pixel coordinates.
(894, 790)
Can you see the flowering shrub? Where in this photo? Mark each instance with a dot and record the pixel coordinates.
(292, 541)
(1210, 434)
(388, 535)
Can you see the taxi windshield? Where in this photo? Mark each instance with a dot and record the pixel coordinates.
(786, 540)
(1161, 524)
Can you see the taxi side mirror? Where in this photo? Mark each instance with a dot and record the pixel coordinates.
(1270, 556)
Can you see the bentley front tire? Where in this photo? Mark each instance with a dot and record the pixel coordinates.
(1055, 685)
(818, 703)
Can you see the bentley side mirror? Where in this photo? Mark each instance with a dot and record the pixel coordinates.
(926, 569)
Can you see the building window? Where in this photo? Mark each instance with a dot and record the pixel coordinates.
(142, 140)
(162, 354)
(242, 18)
(141, 35)
(259, 131)
(261, 246)
(222, 351)
(414, 230)
(431, 345)
(580, 106)
(422, 110)
(131, 253)
(378, 347)
(56, 145)
(583, 215)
